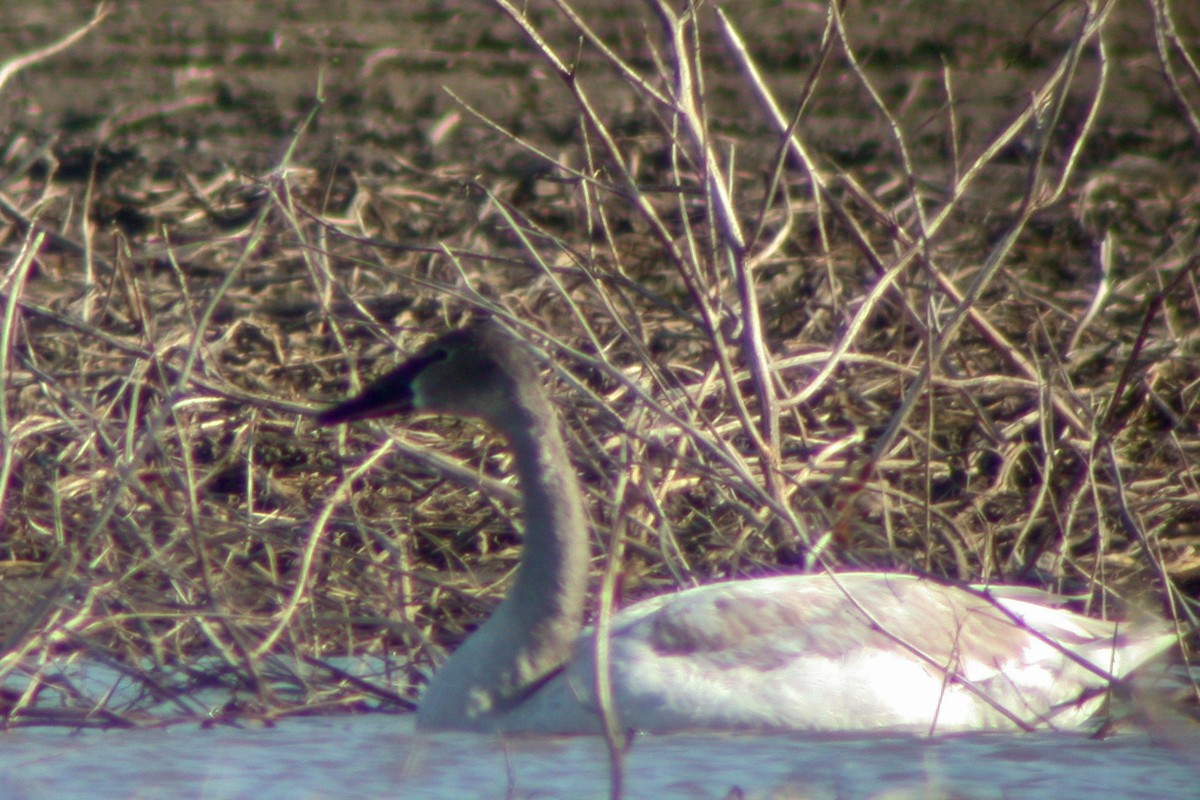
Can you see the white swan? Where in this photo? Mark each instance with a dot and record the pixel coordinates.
(845, 652)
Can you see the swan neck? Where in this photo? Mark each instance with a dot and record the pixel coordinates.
(552, 576)
(533, 631)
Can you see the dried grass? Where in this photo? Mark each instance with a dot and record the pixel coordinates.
(970, 352)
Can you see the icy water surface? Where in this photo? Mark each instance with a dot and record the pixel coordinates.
(380, 756)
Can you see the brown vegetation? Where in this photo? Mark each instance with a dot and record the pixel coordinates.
(890, 290)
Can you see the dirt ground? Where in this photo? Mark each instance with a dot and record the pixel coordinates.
(219, 216)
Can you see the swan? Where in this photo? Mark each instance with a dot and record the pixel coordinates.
(857, 651)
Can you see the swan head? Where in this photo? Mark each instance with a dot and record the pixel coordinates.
(472, 372)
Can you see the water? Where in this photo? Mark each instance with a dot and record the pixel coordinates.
(381, 756)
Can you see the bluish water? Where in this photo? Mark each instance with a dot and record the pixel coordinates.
(380, 756)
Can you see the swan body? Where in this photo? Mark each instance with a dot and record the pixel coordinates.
(822, 652)
(831, 653)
